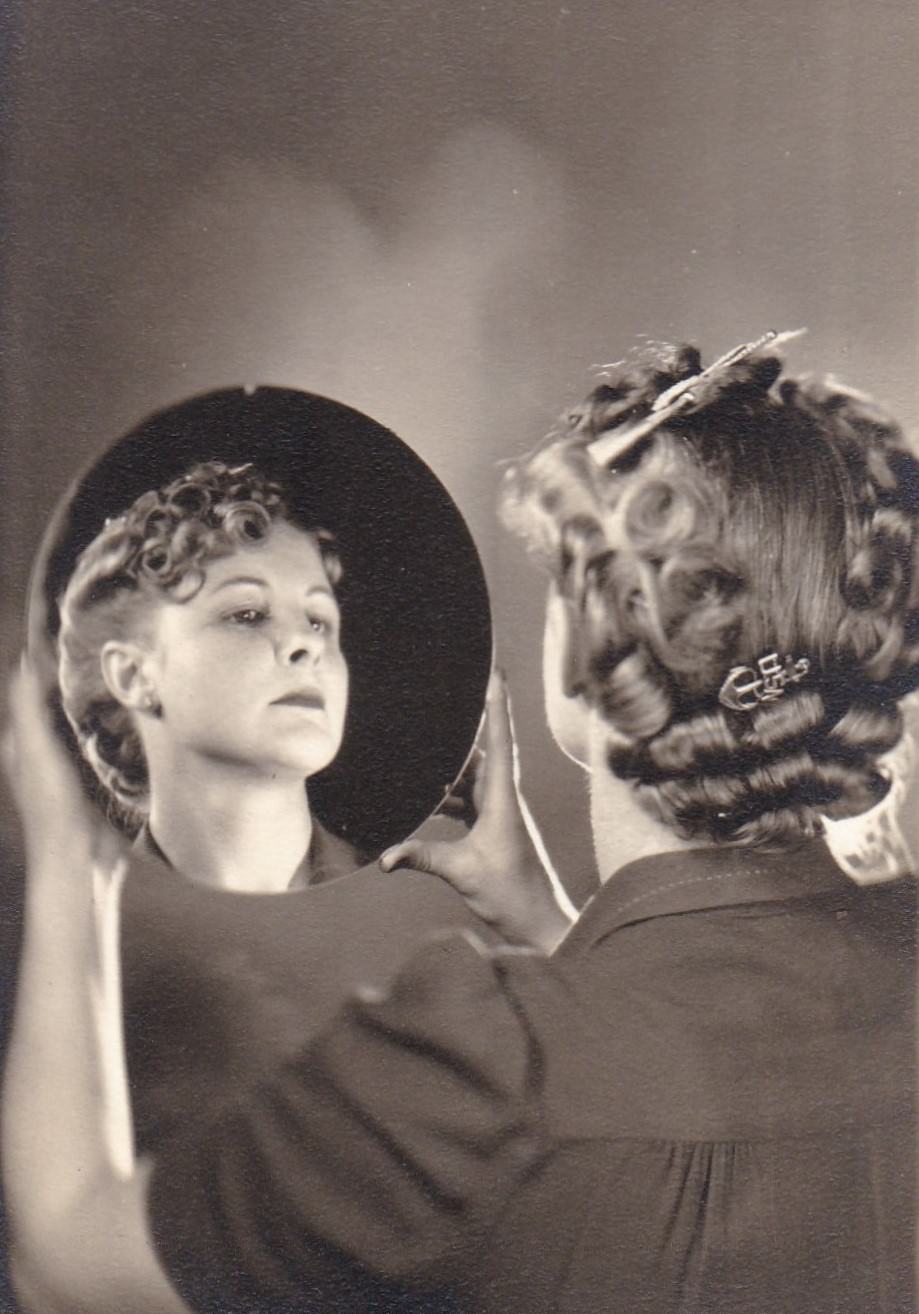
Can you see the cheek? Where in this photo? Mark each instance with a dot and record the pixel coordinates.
(568, 716)
(569, 722)
(341, 686)
(194, 675)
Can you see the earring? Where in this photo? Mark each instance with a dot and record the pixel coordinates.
(151, 704)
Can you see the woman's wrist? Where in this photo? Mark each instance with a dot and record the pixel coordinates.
(69, 854)
(534, 916)
(550, 923)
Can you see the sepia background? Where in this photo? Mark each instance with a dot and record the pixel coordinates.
(446, 214)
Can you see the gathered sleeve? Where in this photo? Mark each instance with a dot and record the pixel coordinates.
(370, 1160)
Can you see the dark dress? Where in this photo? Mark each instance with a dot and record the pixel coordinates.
(219, 986)
(702, 1105)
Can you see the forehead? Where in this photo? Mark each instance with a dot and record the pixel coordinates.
(285, 555)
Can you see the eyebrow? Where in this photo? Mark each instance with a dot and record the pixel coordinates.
(264, 584)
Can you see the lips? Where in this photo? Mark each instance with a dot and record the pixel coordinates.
(309, 698)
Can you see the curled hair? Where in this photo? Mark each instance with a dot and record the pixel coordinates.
(766, 515)
(159, 547)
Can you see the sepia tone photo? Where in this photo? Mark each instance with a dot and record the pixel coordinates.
(461, 628)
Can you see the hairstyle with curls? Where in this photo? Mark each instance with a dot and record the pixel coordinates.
(158, 547)
(767, 515)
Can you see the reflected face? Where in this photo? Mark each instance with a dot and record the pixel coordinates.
(249, 672)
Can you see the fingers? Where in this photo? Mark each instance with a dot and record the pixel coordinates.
(500, 774)
(39, 768)
(461, 801)
(16, 684)
(42, 659)
(9, 746)
(27, 705)
(18, 696)
(488, 781)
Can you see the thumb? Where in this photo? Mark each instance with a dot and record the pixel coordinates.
(416, 855)
(450, 860)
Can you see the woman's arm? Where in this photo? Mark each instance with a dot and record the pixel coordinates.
(79, 1234)
(370, 1164)
(303, 1182)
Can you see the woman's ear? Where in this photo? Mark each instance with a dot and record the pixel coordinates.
(124, 669)
(567, 709)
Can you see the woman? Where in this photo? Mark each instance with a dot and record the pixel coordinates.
(202, 673)
(703, 1100)
(218, 645)
(398, 576)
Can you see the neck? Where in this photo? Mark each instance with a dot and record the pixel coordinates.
(623, 831)
(228, 828)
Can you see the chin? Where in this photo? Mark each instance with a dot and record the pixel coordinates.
(308, 751)
(303, 764)
(312, 763)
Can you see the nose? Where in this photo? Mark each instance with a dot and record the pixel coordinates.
(301, 644)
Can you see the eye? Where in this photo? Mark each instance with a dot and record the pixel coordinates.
(249, 616)
(318, 624)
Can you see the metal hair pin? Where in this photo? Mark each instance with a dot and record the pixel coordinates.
(612, 446)
(745, 688)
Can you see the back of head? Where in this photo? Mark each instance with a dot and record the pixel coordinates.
(737, 555)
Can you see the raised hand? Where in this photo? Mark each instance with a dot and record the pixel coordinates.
(74, 870)
(500, 867)
(57, 820)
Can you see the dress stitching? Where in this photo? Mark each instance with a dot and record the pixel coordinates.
(673, 885)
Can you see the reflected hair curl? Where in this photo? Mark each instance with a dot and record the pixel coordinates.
(768, 515)
(158, 548)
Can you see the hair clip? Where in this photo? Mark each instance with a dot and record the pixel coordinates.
(612, 446)
(745, 688)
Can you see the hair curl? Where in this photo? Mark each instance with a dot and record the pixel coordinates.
(159, 546)
(766, 516)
